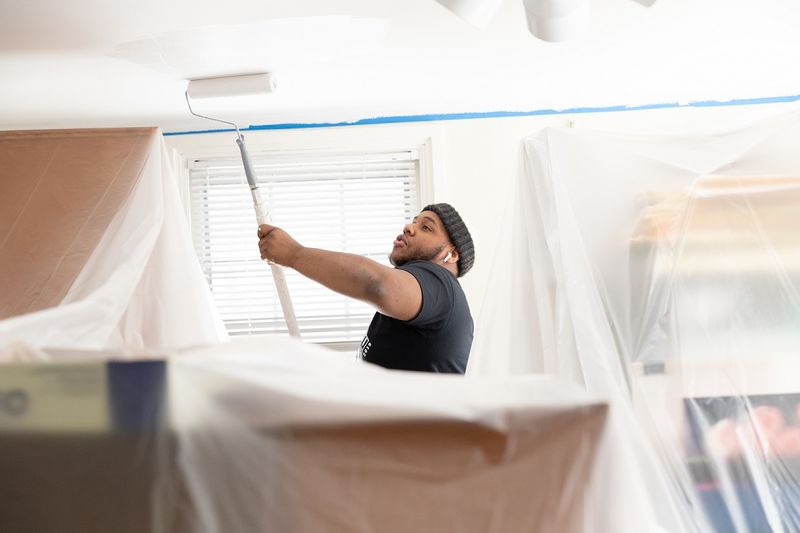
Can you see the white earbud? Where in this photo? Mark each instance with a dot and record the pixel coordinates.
(448, 256)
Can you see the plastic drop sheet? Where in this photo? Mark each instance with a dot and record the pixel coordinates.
(94, 247)
(110, 420)
(662, 272)
(269, 434)
(352, 447)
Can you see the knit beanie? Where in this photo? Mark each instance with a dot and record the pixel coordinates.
(459, 235)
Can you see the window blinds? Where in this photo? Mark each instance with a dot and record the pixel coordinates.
(349, 202)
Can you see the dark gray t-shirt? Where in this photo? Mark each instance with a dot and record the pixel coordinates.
(438, 339)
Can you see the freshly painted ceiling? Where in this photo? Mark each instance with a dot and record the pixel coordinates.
(99, 63)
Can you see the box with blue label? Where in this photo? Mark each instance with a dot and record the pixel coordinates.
(83, 396)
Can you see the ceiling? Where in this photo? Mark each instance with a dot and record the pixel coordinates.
(100, 63)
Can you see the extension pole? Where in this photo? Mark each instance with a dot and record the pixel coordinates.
(263, 218)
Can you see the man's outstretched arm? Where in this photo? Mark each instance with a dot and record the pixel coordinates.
(395, 293)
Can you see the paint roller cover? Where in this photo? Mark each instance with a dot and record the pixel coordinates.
(226, 86)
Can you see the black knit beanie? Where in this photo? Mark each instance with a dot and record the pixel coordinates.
(459, 235)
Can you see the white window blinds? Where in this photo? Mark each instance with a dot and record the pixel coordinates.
(356, 203)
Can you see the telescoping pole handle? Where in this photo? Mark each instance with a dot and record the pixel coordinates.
(262, 218)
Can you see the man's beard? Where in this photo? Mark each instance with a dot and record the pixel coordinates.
(420, 255)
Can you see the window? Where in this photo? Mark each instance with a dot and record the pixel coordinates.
(349, 202)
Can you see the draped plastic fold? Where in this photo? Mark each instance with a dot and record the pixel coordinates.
(95, 252)
(304, 441)
(663, 273)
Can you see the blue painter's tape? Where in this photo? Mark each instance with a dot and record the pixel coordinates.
(501, 114)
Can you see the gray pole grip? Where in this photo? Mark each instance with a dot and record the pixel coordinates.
(248, 165)
(262, 218)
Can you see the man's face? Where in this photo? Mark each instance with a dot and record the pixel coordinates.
(424, 238)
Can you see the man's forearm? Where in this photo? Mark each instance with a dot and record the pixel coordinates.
(394, 292)
(349, 274)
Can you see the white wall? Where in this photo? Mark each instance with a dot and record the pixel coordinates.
(475, 163)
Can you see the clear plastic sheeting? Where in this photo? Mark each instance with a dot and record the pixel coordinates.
(301, 441)
(95, 251)
(114, 418)
(272, 435)
(663, 273)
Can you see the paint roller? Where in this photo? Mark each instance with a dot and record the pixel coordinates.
(246, 85)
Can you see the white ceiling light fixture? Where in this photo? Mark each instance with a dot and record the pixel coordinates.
(556, 20)
(549, 20)
(479, 13)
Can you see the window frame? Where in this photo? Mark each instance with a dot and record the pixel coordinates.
(190, 148)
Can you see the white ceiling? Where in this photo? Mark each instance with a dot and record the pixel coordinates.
(98, 63)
